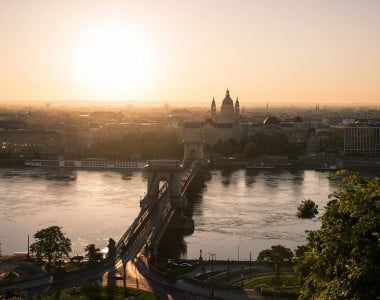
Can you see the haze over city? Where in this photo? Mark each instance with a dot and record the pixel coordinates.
(204, 149)
(186, 52)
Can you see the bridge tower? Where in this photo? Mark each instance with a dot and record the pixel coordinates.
(193, 150)
(164, 172)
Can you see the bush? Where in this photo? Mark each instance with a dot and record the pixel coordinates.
(265, 285)
(99, 293)
(12, 292)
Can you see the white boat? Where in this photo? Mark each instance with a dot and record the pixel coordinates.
(85, 164)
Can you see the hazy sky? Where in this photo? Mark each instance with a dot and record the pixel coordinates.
(276, 51)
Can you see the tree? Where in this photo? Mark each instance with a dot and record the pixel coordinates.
(12, 293)
(250, 150)
(50, 243)
(307, 209)
(93, 253)
(342, 258)
(278, 256)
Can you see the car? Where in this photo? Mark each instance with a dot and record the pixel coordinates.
(184, 264)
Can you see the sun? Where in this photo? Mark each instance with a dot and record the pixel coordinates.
(114, 63)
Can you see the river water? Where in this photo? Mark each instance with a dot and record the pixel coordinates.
(92, 208)
(235, 212)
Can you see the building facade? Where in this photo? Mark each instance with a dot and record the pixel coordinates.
(17, 143)
(221, 126)
(357, 138)
(228, 111)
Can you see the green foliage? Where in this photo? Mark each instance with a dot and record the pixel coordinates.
(98, 293)
(250, 150)
(51, 244)
(93, 254)
(267, 285)
(278, 256)
(342, 259)
(286, 280)
(151, 145)
(146, 145)
(274, 144)
(73, 266)
(12, 293)
(227, 148)
(307, 209)
(286, 293)
(259, 144)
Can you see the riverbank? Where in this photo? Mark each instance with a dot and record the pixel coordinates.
(268, 162)
(303, 163)
(11, 162)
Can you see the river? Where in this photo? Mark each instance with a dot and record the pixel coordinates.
(236, 213)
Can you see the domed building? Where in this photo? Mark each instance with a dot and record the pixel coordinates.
(219, 127)
(296, 131)
(229, 111)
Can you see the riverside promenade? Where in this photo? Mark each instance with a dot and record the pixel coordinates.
(225, 284)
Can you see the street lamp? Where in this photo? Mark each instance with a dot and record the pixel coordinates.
(250, 264)
(228, 270)
(213, 256)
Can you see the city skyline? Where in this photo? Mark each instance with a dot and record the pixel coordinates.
(121, 52)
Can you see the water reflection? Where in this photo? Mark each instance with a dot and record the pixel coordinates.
(93, 207)
(226, 172)
(172, 244)
(254, 210)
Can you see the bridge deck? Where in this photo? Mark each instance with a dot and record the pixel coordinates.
(151, 223)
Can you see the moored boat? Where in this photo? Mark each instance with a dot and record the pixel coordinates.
(85, 164)
(327, 168)
(261, 166)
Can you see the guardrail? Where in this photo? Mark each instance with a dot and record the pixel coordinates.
(139, 221)
(162, 190)
(166, 214)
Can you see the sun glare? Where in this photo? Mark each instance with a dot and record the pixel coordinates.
(113, 63)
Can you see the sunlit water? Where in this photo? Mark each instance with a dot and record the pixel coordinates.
(92, 208)
(235, 213)
(242, 212)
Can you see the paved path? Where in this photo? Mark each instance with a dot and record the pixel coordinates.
(139, 275)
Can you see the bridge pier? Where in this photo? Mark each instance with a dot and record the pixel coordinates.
(165, 202)
(164, 175)
(182, 222)
(193, 150)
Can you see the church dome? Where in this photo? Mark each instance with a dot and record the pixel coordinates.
(297, 119)
(227, 100)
